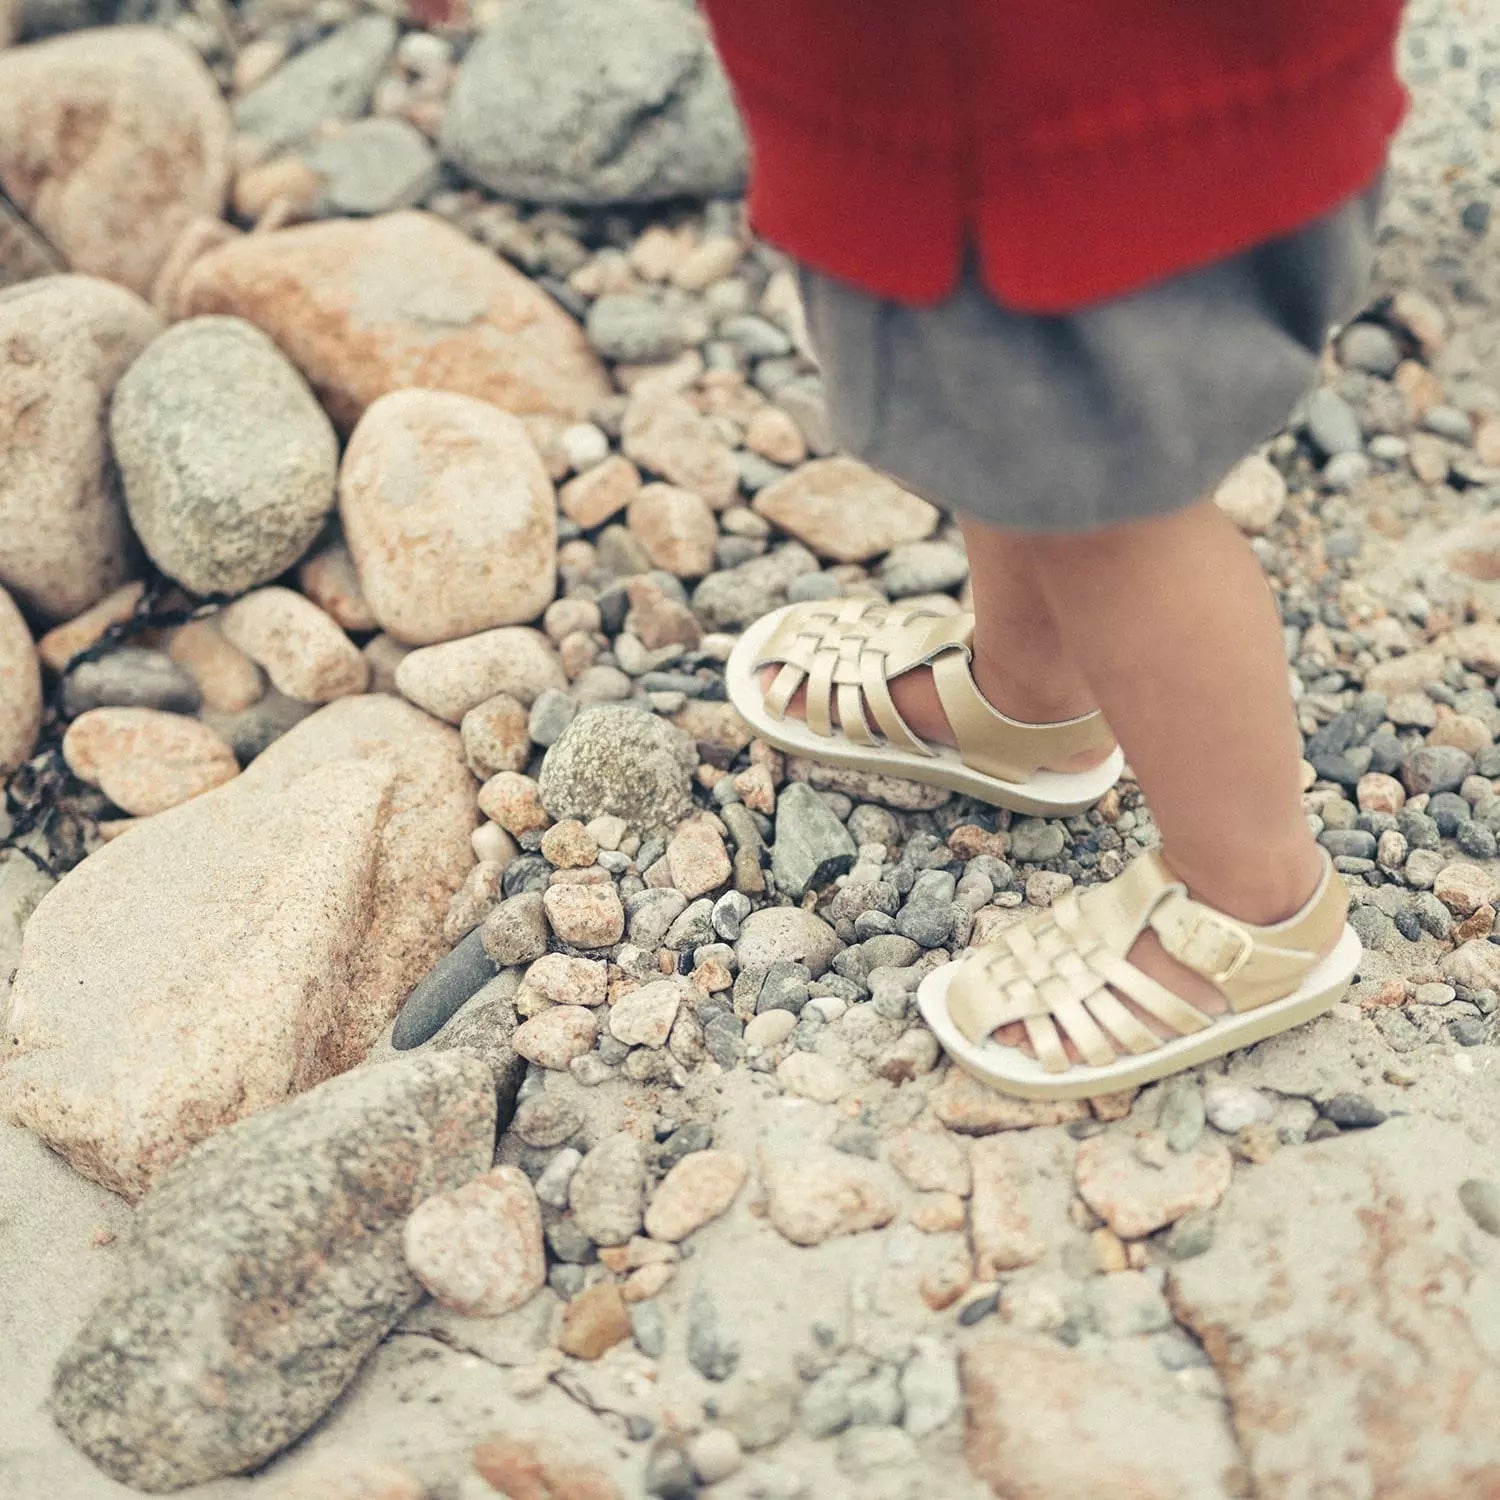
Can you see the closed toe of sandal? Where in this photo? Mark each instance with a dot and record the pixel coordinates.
(845, 653)
(1064, 974)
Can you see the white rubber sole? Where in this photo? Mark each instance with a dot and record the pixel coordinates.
(1012, 1072)
(1048, 794)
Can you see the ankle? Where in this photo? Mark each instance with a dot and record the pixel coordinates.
(1030, 698)
(1269, 887)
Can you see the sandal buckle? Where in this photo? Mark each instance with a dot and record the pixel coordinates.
(1213, 945)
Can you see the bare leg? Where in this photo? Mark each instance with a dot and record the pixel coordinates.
(1178, 636)
(1020, 662)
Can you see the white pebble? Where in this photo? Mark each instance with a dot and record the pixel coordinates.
(715, 1455)
(770, 1028)
(585, 446)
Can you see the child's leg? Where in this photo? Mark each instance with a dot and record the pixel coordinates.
(1020, 662)
(1174, 628)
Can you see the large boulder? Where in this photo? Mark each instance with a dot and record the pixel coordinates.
(240, 948)
(111, 141)
(366, 306)
(263, 1268)
(228, 462)
(64, 343)
(449, 515)
(20, 687)
(595, 101)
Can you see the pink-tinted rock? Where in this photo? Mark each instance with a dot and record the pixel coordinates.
(1135, 1197)
(146, 761)
(819, 503)
(304, 652)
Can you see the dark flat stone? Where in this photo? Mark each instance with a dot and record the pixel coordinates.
(441, 991)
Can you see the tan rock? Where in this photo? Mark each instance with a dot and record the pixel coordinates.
(1475, 964)
(363, 307)
(1408, 673)
(227, 679)
(600, 493)
(811, 1077)
(514, 802)
(1463, 888)
(521, 1470)
(287, 184)
(449, 515)
(303, 651)
(999, 1227)
(939, 1213)
(63, 642)
(1043, 1422)
(676, 528)
(495, 736)
(112, 197)
(66, 341)
(146, 761)
(772, 434)
(669, 437)
(328, 577)
(20, 687)
(644, 1017)
(699, 1189)
(451, 678)
(821, 1194)
(697, 859)
(932, 1161)
(1477, 646)
(554, 1038)
(563, 980)
(1345, 1293)
(816, 505)
(569, 845)
(1378, 792)
(594, 1322)
(478, 1249)
(967, 1106)
(1253, 495)
(585, 916)
(236, 950)
(347, 1476)
(1136, 1197)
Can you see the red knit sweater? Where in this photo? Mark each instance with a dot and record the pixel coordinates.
(1085, 147)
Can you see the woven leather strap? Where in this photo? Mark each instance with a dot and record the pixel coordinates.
(1064, 973)
(845, 652)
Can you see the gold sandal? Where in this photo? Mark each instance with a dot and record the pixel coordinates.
(846, 651)
(1062, 972)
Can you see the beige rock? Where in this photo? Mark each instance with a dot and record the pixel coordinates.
(66, 341)
(585, 916)
(450, 679)
(449, 515)
(63, 642)
(226, 677)
(699, 1189)
(644, 1017)
(1253, 495)
(1408, 673)
(1463, 888)
(112, 195)
(999, 1227)
(478, 1249)
(303, 651)
(939, 1213)
(1477, 646)
(811, 1077)
(932, 1161)
(495, 736)
(347, 1476)
(384, 655)
(329, 579)
(816, 503)
(820, 1194)
(554, 1038)
(1475, 964)
(20, 687)
(363, 307)
(669, 437)
(287, 184)
(594, 1322)
(967, 1106)
(1345, 1293)
(1136, 1197)
(238, 949)
(772, 434)
(563, 980)
(514, 802)
(517, 1467)
(1043, 1422)
(601, 492)
(697, 859)
(569, 845)
(1378, 792)
(474, 901)
(200, 235)
(146, 761)
(676, 528)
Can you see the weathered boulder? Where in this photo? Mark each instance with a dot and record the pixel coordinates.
(20, 687)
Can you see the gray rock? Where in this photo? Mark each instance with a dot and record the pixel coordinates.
(826, 1402)
(638, 330)
(693, 928)
(786, 932)
(1481, 1201)
(651, 914)
(237, 1317)
(484, 1028)
(373, 167)
(1181, 1116)
(1032, 840)
(1332, 425)
(1436, 768)
(927, 917)
(227, 460)
(250, 731)
(732, 599)
(1369, 347)
(1126, 1304)
(330, 81)
(669, 1475)
(811, 846)
(442, 991)
(1231, 1107)
(923, 568)
(649, 1328)
(130, 677)
(577, 101)
(516, 931)
(712, 1353)
(784, 988)
(729, 914)
(617, 758)
(760, 1412)
(930, 1388)
(608, 1191)
(875, 1401)
(552, 712)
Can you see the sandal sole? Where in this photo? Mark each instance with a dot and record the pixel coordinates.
(1046, 794)
(1010, 1072)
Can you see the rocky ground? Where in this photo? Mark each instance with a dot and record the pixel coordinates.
(379, 500)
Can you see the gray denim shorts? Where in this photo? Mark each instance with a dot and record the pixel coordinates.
(1127, 409)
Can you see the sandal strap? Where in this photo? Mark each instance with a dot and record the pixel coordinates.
(1065, 973)
(845, 652)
